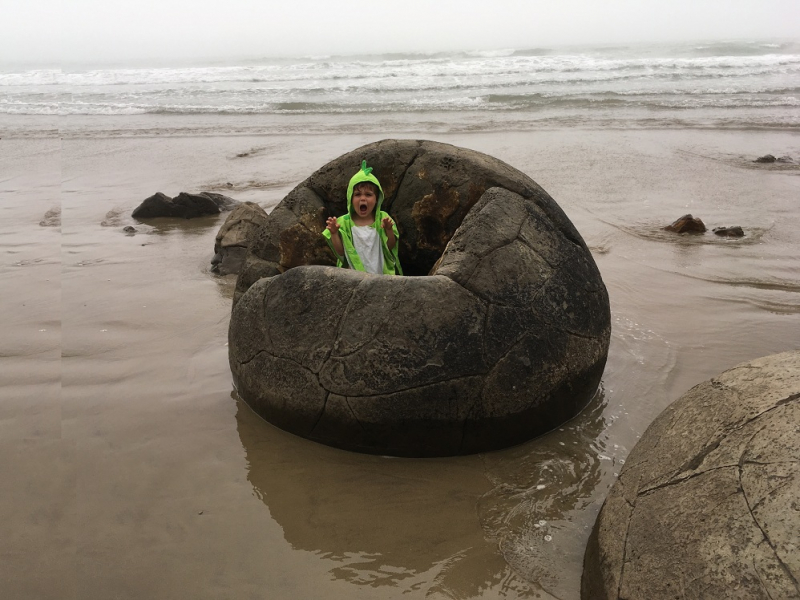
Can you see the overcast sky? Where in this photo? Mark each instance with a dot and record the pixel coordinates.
(110, 30)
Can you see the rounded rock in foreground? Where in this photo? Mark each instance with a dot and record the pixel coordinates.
(707, 503)
(503, 336)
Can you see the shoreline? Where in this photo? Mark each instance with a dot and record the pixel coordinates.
(380, 123)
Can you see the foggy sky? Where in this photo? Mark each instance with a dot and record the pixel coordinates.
(110, 30)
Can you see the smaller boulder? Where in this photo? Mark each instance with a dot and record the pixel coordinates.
(734, 231)
(767, 158)
(687, 224)
(129, 230)
(233, 238)
(785, 160)
(183, 206)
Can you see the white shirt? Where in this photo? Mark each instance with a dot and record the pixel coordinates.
(368, 245)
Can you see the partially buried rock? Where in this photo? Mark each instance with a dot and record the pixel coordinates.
(501, 336)
(767, 158)
(183, 206)
(785, 160)
(707, 503)
(130, 230)
(52, 218)
(235, 235)
(687, 224)
(734, 231)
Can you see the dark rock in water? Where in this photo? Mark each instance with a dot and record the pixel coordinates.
(734, 231)
(52, 218)
(706, 505)
(785, 160)
(183, 206)
(767, 158)
(506, 337)
(235, 235)
(687, 224)
(129, 229)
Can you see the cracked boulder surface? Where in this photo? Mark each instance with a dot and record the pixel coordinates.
(708, 503)
(502, 334)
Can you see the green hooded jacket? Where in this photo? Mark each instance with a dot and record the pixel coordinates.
(391, 260)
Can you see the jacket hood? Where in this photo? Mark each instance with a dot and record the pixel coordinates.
(364, 174)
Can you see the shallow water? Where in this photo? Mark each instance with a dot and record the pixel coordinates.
(130, 470)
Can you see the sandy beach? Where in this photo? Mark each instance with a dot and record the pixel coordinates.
(130, 470)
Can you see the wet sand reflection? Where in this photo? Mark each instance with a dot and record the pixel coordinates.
(463, 527)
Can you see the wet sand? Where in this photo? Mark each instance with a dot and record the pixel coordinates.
(130, 470)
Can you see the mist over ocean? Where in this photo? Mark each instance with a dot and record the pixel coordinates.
(719, 85)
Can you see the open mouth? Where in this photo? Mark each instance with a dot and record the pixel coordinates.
(362, 209)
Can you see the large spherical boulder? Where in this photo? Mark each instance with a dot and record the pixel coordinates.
(501, 336)
(708, 503)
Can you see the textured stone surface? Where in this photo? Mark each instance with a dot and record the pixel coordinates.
(767, 158)
(708, 503)
(505, 338)
(734, 231)
(183, 206)
(687, 224)
(52, 218)
(235, 235)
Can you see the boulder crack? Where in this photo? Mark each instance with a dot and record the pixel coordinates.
(787, 481)
(696, 462)
(535, 297)
(536, 251)
(321, 413)
(750, 507)
(252, 358)
(407, 389)
(355, 416)
(624, 556)
(579, 335)
(339, 327)
(783, 565)
(485, 327)
(680, 480)
(279, 357)
(402, 178)
(761, 581)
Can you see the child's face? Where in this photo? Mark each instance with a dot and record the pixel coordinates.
(364, 200)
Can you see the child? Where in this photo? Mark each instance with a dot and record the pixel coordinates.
(365, 238)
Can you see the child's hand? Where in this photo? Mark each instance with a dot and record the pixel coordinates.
(333, 225)
(387, 224)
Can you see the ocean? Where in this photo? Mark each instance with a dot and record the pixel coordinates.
(716, 85)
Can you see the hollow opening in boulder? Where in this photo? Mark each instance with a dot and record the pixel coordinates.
(425, 226)
(429, 188)
(423, 237)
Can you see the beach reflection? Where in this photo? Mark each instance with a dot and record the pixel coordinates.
(195, 227)
(463, 527)
(544, 499)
